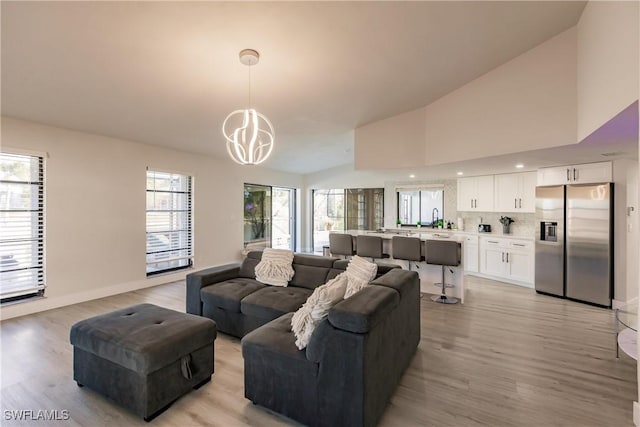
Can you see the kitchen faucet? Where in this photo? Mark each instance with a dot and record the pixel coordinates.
(434, 212)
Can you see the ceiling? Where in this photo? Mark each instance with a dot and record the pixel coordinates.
(168, 73)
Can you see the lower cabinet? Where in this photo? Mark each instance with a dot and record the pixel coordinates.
(507, 259)
(471, 254)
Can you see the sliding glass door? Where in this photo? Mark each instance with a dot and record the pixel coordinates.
(345, 209)
(283, 219)
(269, 217)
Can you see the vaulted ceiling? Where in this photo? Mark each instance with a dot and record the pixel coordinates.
(167, 73)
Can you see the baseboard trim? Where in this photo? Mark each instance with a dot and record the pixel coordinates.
(49, 303)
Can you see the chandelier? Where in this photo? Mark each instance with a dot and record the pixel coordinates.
(249, 134)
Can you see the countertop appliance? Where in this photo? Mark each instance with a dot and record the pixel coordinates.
(574, 242)
(484, 228)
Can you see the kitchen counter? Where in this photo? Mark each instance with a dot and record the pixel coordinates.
(423, 230)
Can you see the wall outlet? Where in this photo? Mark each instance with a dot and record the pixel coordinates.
(636, 414)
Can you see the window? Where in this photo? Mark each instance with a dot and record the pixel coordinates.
(169, 224)
(269, 217)
(22, 226)
(424, 205)
(345, 209)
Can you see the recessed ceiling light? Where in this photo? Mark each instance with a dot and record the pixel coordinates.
(460, 173)
(519, 166)
(412, 176)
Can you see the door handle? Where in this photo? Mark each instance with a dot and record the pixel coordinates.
(568, 176)
(472, 203)
(575, 175)
(515, 203)
(507, 256)
(502, 256)
(520, 203)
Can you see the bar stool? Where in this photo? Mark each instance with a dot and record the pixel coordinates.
(443, 253)
(370, 246)
(341, 244)
(407, 249)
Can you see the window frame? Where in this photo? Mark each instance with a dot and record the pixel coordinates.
(419, 190)
(188, 209)
(38, 246)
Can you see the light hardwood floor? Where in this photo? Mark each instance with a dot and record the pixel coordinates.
(508, 357)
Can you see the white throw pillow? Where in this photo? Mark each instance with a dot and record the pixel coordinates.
(316, 308)
(359, 273)
(275, 267)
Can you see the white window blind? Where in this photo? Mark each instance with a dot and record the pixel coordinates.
(169, 224)
(21, 226)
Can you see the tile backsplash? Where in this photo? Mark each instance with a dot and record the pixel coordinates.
(524, 224)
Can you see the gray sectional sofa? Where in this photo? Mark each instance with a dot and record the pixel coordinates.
(355, 358)
(231, 295)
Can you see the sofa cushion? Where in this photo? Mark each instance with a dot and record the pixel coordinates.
(314, 260)
(248, 266)
(276, 339)
(228, 294)
(309, 276)
(364, 310)
(271, 302)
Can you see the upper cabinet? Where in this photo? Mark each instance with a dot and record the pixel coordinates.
(515, 192)
(475, 193)
(589, 173)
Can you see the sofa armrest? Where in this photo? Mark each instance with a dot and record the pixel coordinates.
(361, 312)
(405, 282)
(203, 278)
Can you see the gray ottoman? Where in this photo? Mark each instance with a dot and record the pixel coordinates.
(143, 357)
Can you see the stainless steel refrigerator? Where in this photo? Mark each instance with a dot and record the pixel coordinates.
(574, 242)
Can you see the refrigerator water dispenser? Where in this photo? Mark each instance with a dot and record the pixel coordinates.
(548, 231)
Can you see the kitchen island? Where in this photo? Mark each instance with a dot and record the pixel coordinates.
(429, 274)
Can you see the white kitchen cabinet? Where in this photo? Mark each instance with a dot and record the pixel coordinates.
(507, 259)
(476, 194)
(471, 254)
(515, 192)
(588, 173)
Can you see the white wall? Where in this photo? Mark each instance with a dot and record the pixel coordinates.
(396, 142)
(527, 103)
(625, 177)
(633, 231)
(607, 62)
(95, 210)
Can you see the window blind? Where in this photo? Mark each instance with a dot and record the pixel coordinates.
(169, 223)
(21, 226)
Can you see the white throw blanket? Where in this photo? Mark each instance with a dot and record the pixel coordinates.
(359, 273)
(305, 320)
(275, 267)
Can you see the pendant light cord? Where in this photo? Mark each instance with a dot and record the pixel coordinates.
(249, 85)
